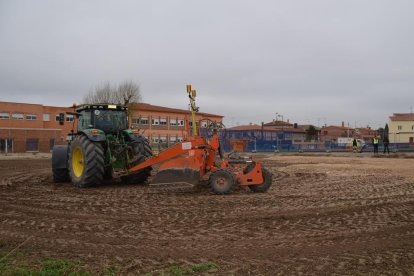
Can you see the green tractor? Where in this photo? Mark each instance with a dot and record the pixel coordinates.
(103, 146)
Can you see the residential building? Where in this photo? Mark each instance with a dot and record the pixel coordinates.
(401, 128)
(332, 133)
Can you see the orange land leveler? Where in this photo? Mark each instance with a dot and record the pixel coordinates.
(190, 160)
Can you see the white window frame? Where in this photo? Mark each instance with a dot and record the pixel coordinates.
(4, 115)
(46, 117)
(17, 116)
(163, 121)
(155, 121)
(135, 121)
(144, 121)
(69, 118)
(173, 122)
(31, 117)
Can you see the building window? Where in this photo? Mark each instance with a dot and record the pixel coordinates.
(31, 117)
(32, 144)
(173, 139)
(176, 122)
(4, 115)
(163, 121)
(57, 117)
(155, 121)
(155, 139)
(18, 116)
(399, 127)
(163, 139)
(144, 121)
(46, 117)
(135, 121)
(412, 127)
(70, 118)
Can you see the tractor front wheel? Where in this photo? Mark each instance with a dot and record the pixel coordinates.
(86, 162)
(222, 182)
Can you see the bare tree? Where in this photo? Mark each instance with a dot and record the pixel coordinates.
(126, 93)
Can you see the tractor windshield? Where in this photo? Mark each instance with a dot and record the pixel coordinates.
(109, 121)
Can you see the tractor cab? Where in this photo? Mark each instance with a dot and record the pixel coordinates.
(105, 117)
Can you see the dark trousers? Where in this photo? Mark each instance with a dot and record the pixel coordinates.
(375, 148)
(386, 148)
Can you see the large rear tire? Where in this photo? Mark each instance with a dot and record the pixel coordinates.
(140, 150)
(267, 182)
(222, 182)
(86, 162)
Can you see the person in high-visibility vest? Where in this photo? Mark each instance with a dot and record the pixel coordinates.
(375, 142)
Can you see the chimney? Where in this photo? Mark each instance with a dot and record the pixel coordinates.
(250, 123)
(343, 124)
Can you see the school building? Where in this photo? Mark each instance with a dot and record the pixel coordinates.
(28, 127)
(164, 125)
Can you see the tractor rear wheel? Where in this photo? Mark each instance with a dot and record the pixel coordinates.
(86, 162)
(222, 182)
(267, 182)
(141, 150)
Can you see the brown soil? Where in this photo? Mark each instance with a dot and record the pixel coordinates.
(323, 215)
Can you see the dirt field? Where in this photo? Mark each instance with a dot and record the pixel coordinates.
(323, 215)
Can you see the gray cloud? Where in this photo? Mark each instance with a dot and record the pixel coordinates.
(313, 61)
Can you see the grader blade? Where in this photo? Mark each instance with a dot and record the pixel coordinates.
(182, 169)
(174, 175)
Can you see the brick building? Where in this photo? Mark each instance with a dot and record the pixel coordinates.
(32, 127)
(35, 127)
(332, 133)
(164, 125)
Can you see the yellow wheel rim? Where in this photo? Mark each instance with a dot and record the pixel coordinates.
(77, 162)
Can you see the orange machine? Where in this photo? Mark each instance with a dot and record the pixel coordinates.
(192, 159)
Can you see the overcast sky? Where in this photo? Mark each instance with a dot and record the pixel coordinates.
(311, 61)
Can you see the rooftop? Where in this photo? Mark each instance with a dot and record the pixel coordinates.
(157, 108)
(402, 117)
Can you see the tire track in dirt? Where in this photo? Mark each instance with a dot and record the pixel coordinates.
(309, 221)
